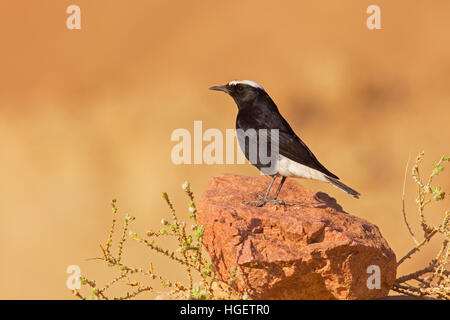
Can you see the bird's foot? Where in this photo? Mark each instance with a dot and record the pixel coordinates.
(274, 201)
(259, 203)
(263, 202)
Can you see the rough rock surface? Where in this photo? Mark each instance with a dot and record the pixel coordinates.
(307, 249)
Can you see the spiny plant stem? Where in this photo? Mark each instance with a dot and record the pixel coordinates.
(434, 279)
(188, 254)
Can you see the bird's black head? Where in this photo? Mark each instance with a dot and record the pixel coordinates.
(243, 92)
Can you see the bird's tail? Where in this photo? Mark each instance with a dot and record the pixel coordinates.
(343, 187)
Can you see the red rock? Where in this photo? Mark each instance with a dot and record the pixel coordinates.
(307, 249)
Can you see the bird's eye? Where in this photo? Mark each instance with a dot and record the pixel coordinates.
(239, 87)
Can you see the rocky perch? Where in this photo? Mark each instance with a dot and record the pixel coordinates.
(307, 249)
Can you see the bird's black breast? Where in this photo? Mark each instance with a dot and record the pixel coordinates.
(262, 113)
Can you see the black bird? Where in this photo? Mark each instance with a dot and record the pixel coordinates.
(257, 112)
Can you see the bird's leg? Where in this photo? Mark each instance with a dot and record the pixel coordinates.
(279, 188)
(274, 200)
(263, 201)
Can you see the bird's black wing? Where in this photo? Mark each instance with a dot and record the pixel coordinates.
(295, 149)
(290, 145)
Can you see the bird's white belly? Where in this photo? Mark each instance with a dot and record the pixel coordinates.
(289, 168)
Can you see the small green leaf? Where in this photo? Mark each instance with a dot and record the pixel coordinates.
(438, 194)
(199, 232)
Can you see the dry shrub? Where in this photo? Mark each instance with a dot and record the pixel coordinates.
(433, 280)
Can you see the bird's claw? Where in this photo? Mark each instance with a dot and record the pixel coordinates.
(274, 201)
(261, 203)
(255, 203)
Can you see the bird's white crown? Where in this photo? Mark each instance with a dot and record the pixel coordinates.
(247, 82)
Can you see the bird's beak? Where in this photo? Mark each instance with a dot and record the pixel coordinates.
(220, 88)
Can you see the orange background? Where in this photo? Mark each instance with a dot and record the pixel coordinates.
(86, 115)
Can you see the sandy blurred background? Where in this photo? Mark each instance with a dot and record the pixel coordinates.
(86, 116)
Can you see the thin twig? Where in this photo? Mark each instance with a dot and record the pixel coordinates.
(403, 203)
